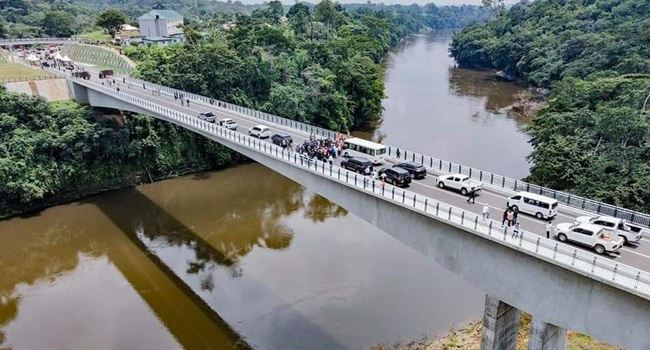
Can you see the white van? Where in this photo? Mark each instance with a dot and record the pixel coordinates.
(534, 204)
(356, 147)
(260, 131)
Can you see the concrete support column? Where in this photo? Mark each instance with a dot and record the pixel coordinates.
(545, 336)
(500, 325)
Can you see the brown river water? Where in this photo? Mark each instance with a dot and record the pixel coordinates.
(245, 257)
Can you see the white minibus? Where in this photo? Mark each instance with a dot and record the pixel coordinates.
(534, 204)
(356, 147)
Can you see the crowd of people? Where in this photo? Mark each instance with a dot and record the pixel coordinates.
(323, 149)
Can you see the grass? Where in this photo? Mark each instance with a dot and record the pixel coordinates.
(17, 72)
(97, 56)
(98, 35)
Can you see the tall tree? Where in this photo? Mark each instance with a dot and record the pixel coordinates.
(111, 20)
(58, 24)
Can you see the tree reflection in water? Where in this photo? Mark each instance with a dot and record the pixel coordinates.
(498, 94)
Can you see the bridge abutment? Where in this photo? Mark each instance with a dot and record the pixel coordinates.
(545, 336)
(500, 325)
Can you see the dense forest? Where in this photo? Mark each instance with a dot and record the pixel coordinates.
(53, 151)
(594, 137)
(319, 65)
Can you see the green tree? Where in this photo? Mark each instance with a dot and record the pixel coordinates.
(111, 20)
(299, 17)
(58, 24)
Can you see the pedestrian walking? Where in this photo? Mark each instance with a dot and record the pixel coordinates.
(397, 153)
(176, 96)
(549, 229)
(510, 217)
(331, 159)
(123, 80)
(486, 211)
(515, 232)
(188, 102)
(472, 196)
(181, 102)
(144, 87)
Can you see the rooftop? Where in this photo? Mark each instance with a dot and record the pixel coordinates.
(162, 14)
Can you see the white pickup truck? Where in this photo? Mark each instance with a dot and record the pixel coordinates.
(629, 233)
(593, 236)
(458, 182)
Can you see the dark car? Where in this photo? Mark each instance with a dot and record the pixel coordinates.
(396, 176)
(416, 169)
(208, 117)
(358, 164)
(282, 139)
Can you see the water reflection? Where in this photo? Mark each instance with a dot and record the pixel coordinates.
(485, 85)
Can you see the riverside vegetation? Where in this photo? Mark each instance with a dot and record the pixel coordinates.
(593, 139)
(321, 66)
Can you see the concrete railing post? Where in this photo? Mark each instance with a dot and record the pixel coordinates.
(500, 325)
(545, 336)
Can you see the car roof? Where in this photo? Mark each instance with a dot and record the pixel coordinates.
(536, 196)
(608, 218)
(226, 119)
(282, 134)
(590, 227)
(361, 159)
(400, 170)
(415, 164)
(260, 126)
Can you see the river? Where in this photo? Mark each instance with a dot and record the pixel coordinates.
(244, 256)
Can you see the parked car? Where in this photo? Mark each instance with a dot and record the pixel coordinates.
(541, 207)
(396, 176)
(282, 139)
(260, 131)
(228, 123)
(601, 240)
(458, 182)
(208, 117)
(358, 164)
(618, 226)
(417, 170)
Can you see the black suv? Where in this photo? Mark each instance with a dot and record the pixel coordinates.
(358, 164)
(396, 176)
(416, 169)
(282, 139)
(208, 117)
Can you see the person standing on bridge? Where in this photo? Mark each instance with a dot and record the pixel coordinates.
(188, 102)
(486, 211)
(472, 196)
(549, 229)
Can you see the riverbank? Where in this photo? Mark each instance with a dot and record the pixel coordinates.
(469, 337)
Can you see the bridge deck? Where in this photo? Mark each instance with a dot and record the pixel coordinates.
(637, 256)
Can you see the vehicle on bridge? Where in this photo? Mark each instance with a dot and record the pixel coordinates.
(541, 207)
(260, 131)
(228, 123)
(396, 176)
(618, 226)
(105, 73)
(458, 182)
(601, 240)
(282, 139)
(208, 117)
(358, 164)
(356, 147)
(417, 170)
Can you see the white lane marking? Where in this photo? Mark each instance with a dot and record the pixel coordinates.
(633, 252)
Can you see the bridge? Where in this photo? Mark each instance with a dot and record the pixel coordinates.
(562, 286)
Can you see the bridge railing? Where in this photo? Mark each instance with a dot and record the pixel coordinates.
(38, 40)
(434, 164)
(499, 181)
(585, 263)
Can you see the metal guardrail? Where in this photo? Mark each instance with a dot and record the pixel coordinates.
(432, 163)
(585, 263)
(39, 40)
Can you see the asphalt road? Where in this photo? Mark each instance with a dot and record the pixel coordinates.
(634, 255)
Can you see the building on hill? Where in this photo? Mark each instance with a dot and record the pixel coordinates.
(160, 24)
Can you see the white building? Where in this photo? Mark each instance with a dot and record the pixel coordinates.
(160, 23)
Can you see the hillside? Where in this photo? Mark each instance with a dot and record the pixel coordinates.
(593, 139)
(547, 40)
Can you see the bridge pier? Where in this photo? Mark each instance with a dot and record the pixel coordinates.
(500, 325)
(545, 336)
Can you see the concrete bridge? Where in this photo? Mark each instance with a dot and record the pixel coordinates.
(562, 286)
